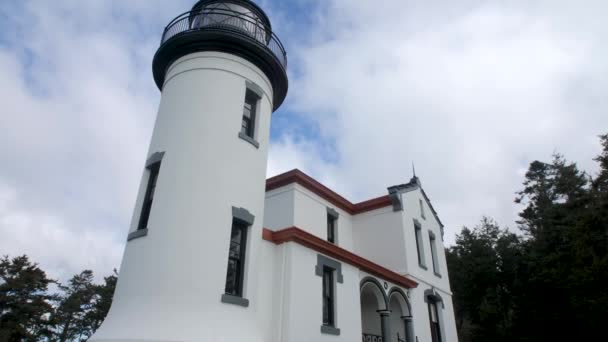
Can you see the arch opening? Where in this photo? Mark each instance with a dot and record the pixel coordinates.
(373, 299)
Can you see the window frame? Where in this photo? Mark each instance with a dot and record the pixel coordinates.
(422, 213)
(251, 99)
(241, 220)
(240, 269)
(332, 225)
(329, 297)
(419, 244)
(434, 257)
(248, 132)
(153, 172)
(434, 325)
(331, 229)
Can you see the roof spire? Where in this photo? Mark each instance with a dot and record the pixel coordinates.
(413, 169)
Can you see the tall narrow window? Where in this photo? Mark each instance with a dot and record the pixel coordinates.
(434, 253)
(421, 209)
(236, 259)
(249, 112)
(328, 297)
(331, 228)
(419, 248)
(434, 319)
(149, 196)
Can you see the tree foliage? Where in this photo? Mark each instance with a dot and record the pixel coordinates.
(549, 282)
(30, 311)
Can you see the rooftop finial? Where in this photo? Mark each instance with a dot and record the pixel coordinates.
(413, 170)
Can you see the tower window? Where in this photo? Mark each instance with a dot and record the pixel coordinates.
(434, 253)
(249, 114)
(328, 297)
(419, 248)
(236, 259)
(149, 195)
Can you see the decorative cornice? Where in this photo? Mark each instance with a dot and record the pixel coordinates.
(299, 236)
(299, 177)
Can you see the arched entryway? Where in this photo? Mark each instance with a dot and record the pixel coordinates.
(374, 313)
(401, 316)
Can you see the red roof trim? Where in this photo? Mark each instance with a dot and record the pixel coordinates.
(299, 177)
(297, 235)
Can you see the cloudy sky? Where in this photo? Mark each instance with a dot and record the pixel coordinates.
(470, 91)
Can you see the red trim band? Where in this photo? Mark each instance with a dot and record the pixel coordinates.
(297, 235)
(297, 176)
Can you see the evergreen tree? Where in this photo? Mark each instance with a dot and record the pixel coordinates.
(25, 305)
(75, 303)
(104, 294)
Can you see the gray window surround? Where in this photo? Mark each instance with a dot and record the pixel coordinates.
(244, 216)
(419, 244)
(333, 213)
(155, 158)
(322, 262)
(137, 234)
(432, 295)
(326, 329)
(249, 140)
(257, 90)
(236, 300)
(435, 260)
(254, 88)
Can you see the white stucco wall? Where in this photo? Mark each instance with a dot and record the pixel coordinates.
(279, 208)
(378, 236)
(411, 211)
(171, 280)
(302, 318)
(310, 214)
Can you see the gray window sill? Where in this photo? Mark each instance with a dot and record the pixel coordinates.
(236, 300)
(137, 234)
(423, 266)
(249, 139)
(327, 329)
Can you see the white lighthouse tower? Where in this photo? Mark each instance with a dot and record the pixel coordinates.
(190, 267)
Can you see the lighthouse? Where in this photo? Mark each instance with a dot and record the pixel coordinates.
(191, 266)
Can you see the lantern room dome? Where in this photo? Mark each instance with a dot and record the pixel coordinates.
(239, 27)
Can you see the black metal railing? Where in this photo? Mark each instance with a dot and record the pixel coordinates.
(235, 22)
(371, 338)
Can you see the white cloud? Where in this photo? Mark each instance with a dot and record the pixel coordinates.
(470, 91)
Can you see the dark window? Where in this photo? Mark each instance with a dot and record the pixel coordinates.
(419, 245)
(328, 296)
(434, 319)
(421, 209)
(149, 197)
(249, 111)
(331, 228)
(434, 253)
(236, 259)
